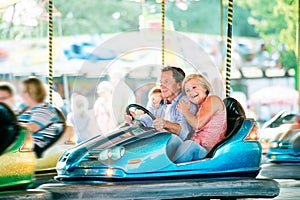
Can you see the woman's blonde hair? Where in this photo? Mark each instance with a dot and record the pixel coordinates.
(202, 81)
(35, 89)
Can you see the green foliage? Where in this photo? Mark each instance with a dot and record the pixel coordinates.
(274, 20)
(94, 16)
(205, 17)
(288, 59)
(198, 18)
(113, 16)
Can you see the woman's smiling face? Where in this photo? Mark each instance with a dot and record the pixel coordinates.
(194, 91)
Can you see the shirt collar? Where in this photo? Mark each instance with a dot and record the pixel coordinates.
(176, 99)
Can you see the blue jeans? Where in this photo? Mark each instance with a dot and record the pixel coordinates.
(189, 151)
(173, 144)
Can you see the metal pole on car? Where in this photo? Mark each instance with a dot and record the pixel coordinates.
(50, 76)
(228, 46)
(163, 33)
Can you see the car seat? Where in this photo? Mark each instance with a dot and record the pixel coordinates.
(235, 118)
(9, 127)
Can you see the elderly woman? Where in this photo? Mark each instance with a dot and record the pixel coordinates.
(210, 122)
(38, 116)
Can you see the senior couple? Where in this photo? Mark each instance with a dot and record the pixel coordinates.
(190, 111)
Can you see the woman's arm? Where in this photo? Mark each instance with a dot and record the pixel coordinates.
(33, 127)
(209, 108)
(40, 118)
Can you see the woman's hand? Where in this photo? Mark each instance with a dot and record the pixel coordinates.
(183, 107)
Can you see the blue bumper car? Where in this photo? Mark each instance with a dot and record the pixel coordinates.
(139, 153)
(273, 129)
(286, 149)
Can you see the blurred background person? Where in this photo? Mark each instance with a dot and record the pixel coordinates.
(122, 96)
(38, 115)
(57, 99)
(263, 57)
(82, 119)
(103, 107)
(7, 94)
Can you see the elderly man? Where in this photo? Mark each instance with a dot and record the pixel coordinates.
(170, 118)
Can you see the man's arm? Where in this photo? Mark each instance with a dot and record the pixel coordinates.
(172, 127)
(161, 124)
(179, 126)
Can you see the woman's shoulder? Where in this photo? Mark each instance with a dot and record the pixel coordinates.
(43, 107)
(215, 100)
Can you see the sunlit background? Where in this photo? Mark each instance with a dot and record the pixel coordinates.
(263, 53)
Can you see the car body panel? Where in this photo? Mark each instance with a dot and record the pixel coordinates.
(275, 127)
(47, 163)
(146, 157)
(17, 167)
(286, 149)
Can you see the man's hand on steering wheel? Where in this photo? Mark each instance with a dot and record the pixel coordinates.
(131, 115)
(159, 124)
(128, 118)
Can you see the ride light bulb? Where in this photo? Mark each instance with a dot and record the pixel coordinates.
(253, 134)
(71, 139)
(109, 172)
(28, 144)
(274, 145)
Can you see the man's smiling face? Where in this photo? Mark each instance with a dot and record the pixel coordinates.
(170, 89)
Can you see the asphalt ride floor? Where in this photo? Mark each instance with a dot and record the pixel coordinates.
(204, 189)
(282, 183)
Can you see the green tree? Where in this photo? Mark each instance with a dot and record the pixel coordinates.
(112, 16)
(94, 16)
(274, 20)
(80, 17)
(205, 17)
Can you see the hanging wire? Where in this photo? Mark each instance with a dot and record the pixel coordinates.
(50, 73)
(163, 32)
(228, 48)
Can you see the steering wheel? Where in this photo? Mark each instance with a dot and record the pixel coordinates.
(146, 111)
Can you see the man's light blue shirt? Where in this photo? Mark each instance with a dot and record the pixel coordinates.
(172, 114)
